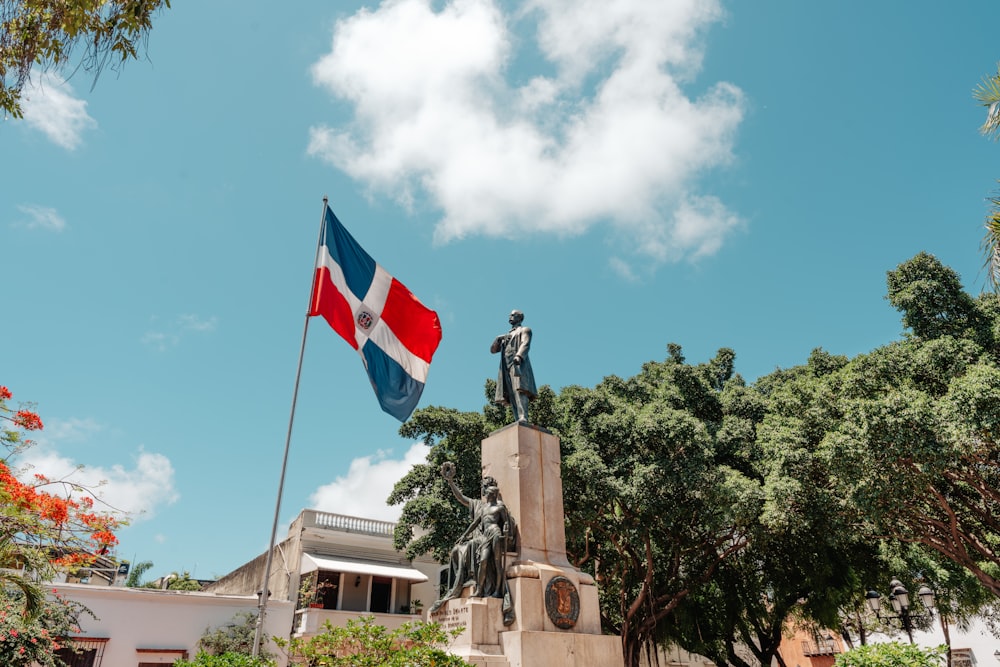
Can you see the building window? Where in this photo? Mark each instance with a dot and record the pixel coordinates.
(327, 589)
(82, 652)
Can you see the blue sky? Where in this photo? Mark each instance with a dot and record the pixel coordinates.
(627, 173)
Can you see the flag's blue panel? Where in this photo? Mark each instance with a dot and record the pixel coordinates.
(357, 265)
(397, 392)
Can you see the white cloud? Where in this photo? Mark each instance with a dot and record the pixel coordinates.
(49, 105)
(160, 340)
(623, 269)
(196, 323)
(41, 217)
(603, 131)
(181, 325)
(73, 429)
(138, 490)
(368, 483)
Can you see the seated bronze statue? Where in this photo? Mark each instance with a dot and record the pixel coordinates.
(478, 558)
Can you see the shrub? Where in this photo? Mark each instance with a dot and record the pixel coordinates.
(892, 654)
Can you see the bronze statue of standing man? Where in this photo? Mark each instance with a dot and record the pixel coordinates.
(516, 382)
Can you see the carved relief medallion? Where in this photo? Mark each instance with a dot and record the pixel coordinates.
(562, 602)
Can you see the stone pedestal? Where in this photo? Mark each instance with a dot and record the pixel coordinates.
(526, 463)
(564, 629)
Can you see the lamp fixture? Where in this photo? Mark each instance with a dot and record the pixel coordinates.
(899, 600)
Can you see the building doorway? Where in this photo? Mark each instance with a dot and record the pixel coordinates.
(381, 594)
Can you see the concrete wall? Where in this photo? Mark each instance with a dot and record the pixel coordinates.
(355, 598)
(137, 619)
(246, 579)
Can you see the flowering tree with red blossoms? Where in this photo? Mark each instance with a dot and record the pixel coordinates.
(46, 525)
(41, 642)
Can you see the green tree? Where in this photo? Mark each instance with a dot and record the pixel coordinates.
(654, 505)
(134, 579)
(48, 33)
(932, 300)
(651, 505)
(892, 654)
(182, 582)
(716, 514)
(234, 637)
(363, 643)
(803, 561)
(915, 450)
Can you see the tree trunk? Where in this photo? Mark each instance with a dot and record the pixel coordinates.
(632, 650)
(947, 636)
(845, 634)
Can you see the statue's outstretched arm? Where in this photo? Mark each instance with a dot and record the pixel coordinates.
(448, 472)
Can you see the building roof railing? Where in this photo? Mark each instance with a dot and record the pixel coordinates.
(348, 524)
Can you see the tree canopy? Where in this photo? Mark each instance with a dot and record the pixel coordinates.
(48, 34)
(713, 513)
(915, 448)
(652, 506)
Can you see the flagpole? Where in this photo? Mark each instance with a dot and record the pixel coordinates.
(264, 593)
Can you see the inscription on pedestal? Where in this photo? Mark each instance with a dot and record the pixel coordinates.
(562, 602)
(452, 617)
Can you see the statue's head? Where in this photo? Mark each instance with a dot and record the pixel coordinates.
(489, 484)
(516, 317)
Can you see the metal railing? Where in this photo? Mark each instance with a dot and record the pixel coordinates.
(821, 647)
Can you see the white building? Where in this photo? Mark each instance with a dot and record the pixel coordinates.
(352, 563)
(141, 627)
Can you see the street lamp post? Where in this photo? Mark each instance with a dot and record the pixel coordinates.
(899, 600)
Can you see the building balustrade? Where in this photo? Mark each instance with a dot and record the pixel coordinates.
(350, 524)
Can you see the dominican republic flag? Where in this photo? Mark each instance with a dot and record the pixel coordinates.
(394, 333)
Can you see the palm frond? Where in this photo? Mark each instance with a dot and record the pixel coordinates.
(991, 244)
(32, 593)
(988, 95)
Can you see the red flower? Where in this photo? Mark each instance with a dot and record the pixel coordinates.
(28, 420)
(4, 393)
